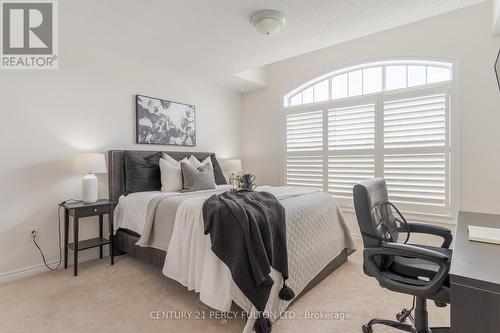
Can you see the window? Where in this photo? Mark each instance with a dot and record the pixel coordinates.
(383, 119)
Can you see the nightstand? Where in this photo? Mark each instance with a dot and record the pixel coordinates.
(79, 210)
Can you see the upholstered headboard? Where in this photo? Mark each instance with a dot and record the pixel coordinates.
(116, 169)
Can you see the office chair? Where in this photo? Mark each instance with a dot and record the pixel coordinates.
(417, 270)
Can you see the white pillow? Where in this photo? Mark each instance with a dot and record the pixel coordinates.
(169, 158)
(196, 163)
(171, 175)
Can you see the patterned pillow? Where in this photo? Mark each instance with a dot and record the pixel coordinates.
(197, 179)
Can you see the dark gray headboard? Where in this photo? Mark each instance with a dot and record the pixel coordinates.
(116, 170)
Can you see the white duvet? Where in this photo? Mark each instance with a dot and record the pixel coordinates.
(190, 259)
(191, 262)
(316, 234)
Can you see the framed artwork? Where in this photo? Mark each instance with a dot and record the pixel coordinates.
(497, 69)
(162, 122)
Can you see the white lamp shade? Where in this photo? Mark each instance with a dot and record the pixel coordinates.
(231, 166)
(90, 163)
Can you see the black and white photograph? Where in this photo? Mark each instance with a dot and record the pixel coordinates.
(165, 122)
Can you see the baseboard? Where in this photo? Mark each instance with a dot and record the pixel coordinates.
(40, 268)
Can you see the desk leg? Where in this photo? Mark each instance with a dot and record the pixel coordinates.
(75, 241)
(66, 232)
(100, 234)
(111, 230)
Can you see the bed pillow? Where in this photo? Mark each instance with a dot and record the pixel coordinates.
(169, 158)
(142, 174)
(171, 175)
(191, 160)
(197, 179)
(218, 174)
(196, 162)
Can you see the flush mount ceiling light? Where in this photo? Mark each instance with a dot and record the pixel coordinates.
(268, 22)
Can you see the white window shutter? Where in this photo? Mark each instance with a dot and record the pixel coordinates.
(345, 171)
(416, 178)
(304, 171)
(416, 153)
(415, 122)
(351, 128)
(304, 131)
(304, 140)
(399, 130)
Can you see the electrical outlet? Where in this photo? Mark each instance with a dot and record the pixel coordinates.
(32, 232)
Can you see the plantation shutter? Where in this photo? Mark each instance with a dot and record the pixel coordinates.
(415, 122)
(304, 142)
(346, 171)
(351, 142)
(383, 119)
(304, 171)
(415, 151)
(416, 178)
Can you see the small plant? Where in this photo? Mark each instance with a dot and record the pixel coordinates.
(239, 178)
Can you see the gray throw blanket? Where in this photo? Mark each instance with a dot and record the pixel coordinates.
(248, 233)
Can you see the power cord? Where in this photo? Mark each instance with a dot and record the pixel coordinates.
(33, 234)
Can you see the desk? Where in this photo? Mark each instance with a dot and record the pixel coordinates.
(475, 278)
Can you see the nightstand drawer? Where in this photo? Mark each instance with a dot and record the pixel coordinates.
(91, 211)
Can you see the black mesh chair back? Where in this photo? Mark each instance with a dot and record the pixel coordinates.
(375, 213)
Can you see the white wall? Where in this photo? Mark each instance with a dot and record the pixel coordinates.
(85, 105)
(464, 35)
(496, 16)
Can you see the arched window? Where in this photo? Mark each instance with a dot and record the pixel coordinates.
(386, 119)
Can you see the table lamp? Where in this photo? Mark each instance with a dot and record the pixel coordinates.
(89, 164)
(231, 166)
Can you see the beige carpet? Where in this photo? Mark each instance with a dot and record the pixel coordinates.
(121, 298)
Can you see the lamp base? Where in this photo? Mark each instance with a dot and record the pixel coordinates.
(89, 189)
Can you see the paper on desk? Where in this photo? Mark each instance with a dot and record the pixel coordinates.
(484, 234)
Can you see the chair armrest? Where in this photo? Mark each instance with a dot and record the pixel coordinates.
(415, 251)
(422, 228)
(396, 249)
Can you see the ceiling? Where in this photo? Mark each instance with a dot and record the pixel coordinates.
(214, 41)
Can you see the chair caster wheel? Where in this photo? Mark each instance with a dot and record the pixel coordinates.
(367, 329)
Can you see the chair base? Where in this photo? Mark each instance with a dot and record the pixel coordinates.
(391, 323)
(419, 323)
(368, 328)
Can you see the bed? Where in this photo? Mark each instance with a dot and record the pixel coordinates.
(151, 227)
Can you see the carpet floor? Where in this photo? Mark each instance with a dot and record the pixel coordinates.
(134, 297)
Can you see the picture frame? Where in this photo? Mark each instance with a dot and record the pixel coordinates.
(164, 122)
